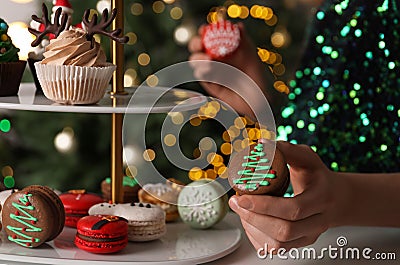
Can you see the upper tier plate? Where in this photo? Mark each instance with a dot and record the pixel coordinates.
(172, 99)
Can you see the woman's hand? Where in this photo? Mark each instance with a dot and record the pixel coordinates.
(292, 222)
(245, 59)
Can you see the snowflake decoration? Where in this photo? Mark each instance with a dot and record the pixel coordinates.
(199, 207)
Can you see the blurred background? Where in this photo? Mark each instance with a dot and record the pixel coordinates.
(72, 151)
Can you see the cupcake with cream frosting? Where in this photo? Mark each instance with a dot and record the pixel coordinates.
(73, 72)
(75, 68)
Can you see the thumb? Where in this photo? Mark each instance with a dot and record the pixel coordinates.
(303, 162)
(299, 156)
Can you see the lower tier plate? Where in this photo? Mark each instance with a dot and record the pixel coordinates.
(181, 245)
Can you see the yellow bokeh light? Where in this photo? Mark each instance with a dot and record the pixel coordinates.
(278, 39)
(272, 58)
(7, 171)
(211, 174)
(222, 172)
(244, 12)
(195, 120)
(176, 117)
(263, 54)
(254, 10)
(246, 142)
(281, 87)
(149, 155)
(234, 11)
(136, 9)
(143, 59)
(240, 122)
(279, 70)
(226, 148)
(206, 143)
(170, 140)
(152, 80)
(237, 145)
(195, 173)
(169, 1)
(272, 21)
(233, 132)
(212, 17)
(176, 13)
(265, 134)
(226, 137)
(132, 38)
(131, 171)
(158, 7)
(215, 159)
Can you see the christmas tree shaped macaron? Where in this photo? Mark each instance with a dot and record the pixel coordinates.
(259, 169)
(33, 216)
(220, 39)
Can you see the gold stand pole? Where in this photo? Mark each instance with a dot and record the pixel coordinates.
(117, 89)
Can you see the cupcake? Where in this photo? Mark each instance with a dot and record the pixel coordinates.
(74, 69)
(34, 56)
(11, 68)
(130, 189)
(164, 195)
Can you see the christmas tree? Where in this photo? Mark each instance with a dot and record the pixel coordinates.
(345, 98)
(72, 151)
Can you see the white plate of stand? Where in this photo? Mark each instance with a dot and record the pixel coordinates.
(181, 245)
(170, 99)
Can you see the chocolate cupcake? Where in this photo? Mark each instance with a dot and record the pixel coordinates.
(11, 68)
(130, 189)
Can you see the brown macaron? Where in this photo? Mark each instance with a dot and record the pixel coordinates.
(259, 169)
(33, 216)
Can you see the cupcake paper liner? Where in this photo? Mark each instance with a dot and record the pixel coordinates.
(10, 77)
(74, 85)
(31, 64)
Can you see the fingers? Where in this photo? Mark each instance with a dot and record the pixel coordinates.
(261, 240)
(290, 209)
(283, 230)
(195, 44)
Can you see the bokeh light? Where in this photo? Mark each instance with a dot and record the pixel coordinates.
(149, 155)
(64, 141)
(5, 125)
(21, 38)
(136, 9)
(176, 13)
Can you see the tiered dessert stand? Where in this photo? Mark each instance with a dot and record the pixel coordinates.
(181, 245)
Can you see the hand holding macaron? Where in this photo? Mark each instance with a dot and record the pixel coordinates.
(290, 222)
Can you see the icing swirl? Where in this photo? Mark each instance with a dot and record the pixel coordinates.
(255, 174)
(72, 48)
(8, 52)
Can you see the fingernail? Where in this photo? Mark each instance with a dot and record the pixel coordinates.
(245, 203)
(233, 203)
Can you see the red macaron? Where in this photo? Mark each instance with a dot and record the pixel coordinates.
(76, 205)
(102, 234)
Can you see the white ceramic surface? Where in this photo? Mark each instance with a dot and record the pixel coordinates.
(181, 245)
(176, 99)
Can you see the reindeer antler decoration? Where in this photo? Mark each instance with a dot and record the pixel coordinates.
(55, 28)
(92, 27)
